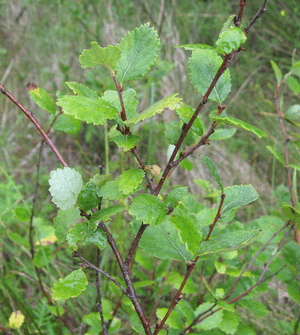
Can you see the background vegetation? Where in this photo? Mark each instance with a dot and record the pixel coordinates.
(40, 42)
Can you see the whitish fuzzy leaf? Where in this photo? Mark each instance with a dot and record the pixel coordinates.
(65, 185)
(186, 224)
(239, 123)
(108, 56)
(43, 99)
(203, 66)
(87, 109)
(81, 234)
(277, 72)
(229, 241)
(130, 104)
(67, 124)
(64, 220)
(163, 241)
(175, 195)
(129, 180)
(139, 50)
(276, 155)
(213, 170)
(238, 195)
(149, 209)
(126, 142)
(173, 321)
(88, 197)
(209, 323)
(105, 213)
(291, 212)
(230, 40)
(171, 102)
(195, 47)
(71, 286)
(222, 134)
(82, 90)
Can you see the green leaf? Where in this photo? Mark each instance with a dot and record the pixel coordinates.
(229, 241)
(291, 253)
(171, 102)
(239, 123)
(22, 213)
(237, 196)
(108, 56)
(229, 322)
(185, 113)
(296, 68)
(130, 104)
(174, 320)
(43, 99)
(230, 40)
(68, 124)
(213, 170)
(149, 209)
(88, 197)
(228, 24)
(276, 154)
(186, 164)
(64, 220)
(139, 51)
(291, 212)
(293, 113)
(65, 185)
(111, 191)
(18, 239)
(81, 234)
(126, 142)
(209, 323)
(100, 180)
(206, 216)
(71, 286)
(196, 47)
(186, 224)
(254, 306)
(163, 241)
(105, 213)
(175, 195)
(129, 180)
(293, 289)
(82, 90)
(293, 84)
(222, 134)
(43, 256)
(88, 109)
(203, 66)
(277, 72)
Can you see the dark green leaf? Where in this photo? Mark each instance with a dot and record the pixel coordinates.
(88, 197)
(293, 289)
(291, 253)
(291, 212)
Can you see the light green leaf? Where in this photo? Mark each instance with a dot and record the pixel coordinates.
(228, 24)
(126, 142)
(293, 84)
(222, 134)
(171, 102)
(100, 180)
(18, 239)
(276, 154)
(67, 124)
(149, 209)
(277, 72)
(173, 132)
(139, 50)
(186, 164)
(108, 56)
(293, 289)
(209, 323)
(88, 109)
(88, 197)
(230, 241)
(296, 68)
(43, 99)
(206, 216)
(230, 40)
(185, 308)
(80, 89)
(105, 213)
(185, 113)
(65, 185)
(229, 322)
(64, 220)
(225, 306)
(22, 213)
(291, 253)
(129, 180)
(111, 191)
(291, 212)
(239, 123)
(163, 241)
(293, 113)
(196, 47)
(71, 286)
(175, 195)
(130, 104)
(238, 195)
(174, 320)
(186, 224)
(254, 306)
(43, 256)
(213, 170)
(203, 66)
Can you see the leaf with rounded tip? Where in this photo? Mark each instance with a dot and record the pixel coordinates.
(88, 197)
(139, 50)
(65, 185)
(213, 170)
(67, 124)
(230, 40)
(277, 72)
(126, 142)
(71, 286)
(203, 67)
(43, 99)
(108, 56)
(222, 134)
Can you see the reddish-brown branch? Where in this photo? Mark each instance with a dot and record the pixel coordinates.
(238, 18)
(35, 122)
(257, 16)
(217, 217)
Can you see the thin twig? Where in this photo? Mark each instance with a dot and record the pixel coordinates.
(238, 18)
(218, 215)
(257, 16)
